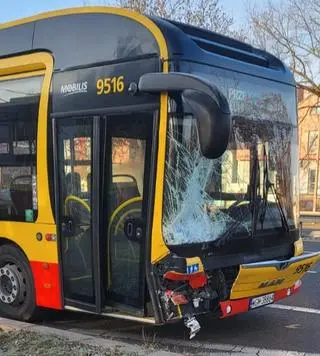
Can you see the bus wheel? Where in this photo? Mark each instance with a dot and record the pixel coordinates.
(17, 295)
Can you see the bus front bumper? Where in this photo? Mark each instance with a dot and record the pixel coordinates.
(263, 283)
(237, 306)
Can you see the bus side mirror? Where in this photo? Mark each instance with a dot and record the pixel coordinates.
(206, 102)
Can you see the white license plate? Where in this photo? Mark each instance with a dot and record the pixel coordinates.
(260, 301)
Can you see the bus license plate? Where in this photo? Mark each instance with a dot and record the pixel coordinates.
(262, 300)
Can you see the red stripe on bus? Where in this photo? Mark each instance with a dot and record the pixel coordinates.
(232, 307)
(47, 284)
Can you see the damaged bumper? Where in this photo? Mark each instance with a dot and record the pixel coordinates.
(269, 276)
(229, 291)
(263, 283)
(237, 306)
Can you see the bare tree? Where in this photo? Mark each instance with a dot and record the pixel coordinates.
(207, 14)
(291, 31)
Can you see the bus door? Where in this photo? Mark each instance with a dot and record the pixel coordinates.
(102, 183)
(127, 172)
(76, 210)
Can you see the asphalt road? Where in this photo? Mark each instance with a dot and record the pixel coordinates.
(291, 325)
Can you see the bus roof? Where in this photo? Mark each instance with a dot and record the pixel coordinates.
(83, 36)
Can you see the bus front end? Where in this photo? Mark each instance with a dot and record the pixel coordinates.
(229, 197)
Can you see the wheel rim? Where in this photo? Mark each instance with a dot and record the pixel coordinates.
(12, 285)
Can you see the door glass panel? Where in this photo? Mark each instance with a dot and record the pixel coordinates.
(126, 235)
(75, 166)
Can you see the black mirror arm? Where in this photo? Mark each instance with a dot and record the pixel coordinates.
(206, 101)
(179, 82)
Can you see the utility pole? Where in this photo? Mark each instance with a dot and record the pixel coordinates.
(315, 193)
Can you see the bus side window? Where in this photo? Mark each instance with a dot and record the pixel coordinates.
(128, 155)
(19, 106)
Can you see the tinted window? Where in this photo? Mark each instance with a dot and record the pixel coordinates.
(19, 104)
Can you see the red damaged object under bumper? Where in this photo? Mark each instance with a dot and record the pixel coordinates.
(195, 280)
(236, 306)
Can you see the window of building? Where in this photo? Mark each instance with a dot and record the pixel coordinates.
(313, 142)
(19, 106)
(315, 110)
(311, 181)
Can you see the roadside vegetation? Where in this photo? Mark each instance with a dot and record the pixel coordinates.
(28, 343)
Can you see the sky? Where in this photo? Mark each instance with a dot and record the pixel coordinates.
(15, 9)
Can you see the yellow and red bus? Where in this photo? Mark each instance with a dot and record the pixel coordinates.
(148, 170)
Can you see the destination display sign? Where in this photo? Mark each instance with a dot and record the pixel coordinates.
(101, 87)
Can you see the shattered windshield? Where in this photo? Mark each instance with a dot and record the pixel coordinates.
(206, 200)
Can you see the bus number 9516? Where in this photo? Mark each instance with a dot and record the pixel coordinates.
(110, 85)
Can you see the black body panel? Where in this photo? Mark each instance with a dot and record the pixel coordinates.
(76, 90)
(189, 43)
(241, 249)
(16, 39)
(91, 38)
(80, 39)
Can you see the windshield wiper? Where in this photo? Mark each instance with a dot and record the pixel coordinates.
(255, 198)
(267, 185)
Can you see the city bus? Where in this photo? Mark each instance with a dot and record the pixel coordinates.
(148, 170)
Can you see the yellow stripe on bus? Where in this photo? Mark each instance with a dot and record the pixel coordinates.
(24, 234)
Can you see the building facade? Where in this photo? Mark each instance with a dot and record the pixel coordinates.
(309, 153)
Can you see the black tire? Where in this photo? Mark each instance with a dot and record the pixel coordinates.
(24, 307)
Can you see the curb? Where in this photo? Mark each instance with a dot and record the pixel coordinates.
(111, 345)
(7, 325)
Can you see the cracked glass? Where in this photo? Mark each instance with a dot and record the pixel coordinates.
(247, 191)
